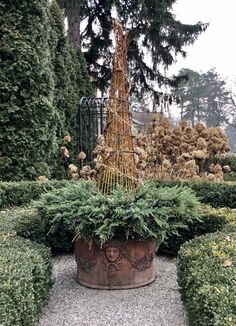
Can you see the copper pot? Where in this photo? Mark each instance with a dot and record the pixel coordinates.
(118, 264)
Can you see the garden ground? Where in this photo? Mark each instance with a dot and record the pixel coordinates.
(71, 304)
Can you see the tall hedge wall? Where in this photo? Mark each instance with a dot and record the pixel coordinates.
(40, 84)
(28, 128)
(66, 92)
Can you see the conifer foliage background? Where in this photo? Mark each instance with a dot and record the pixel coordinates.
(28, 133)
(40, 83)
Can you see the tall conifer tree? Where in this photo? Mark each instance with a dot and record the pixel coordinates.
(153, 30)
(27, 121)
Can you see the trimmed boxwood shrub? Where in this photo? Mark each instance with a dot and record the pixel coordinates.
(206, 275)
(22, 193)
(24, 222)
(212, 220)
(25, 278)
(214, 194)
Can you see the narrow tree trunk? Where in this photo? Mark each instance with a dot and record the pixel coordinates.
(73, 15)
(72, 12)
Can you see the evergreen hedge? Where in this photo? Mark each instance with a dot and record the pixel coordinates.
(206, 275)
(67, 88)
(212, 220)
(211, 193)
(22, 193)
(25, 278)
(28, 118)
(41, 81)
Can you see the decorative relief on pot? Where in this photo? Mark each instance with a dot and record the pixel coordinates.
(118, 264)
(112, 261)
(142, 258)
(86, 264)
(141, 263)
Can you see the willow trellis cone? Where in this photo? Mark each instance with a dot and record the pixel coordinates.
(117, 156)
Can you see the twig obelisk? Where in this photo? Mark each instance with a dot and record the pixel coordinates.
(119, 164)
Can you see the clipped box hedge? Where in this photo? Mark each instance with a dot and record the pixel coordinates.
(211, 193)
(207, 277)
(212, 220)
(25, 223)
(22, 193)
(25, 280)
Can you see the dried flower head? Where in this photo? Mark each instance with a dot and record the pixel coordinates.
(42, 178)
(200, 154)
(64, 152)
(72, 168)
(67, 139)
(81, 156)
(201, 143)
(226, 168)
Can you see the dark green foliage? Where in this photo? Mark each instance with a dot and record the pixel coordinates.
(212, 220)
(153, 28)
(214, 194)
(150, 213)
(58, 211)
(66, 91)
(231, 176)
(71, 83)
(11, 218)
(204, 97)
(25, 278)
(229, 160)
(207, 286)
(22, 193)
(88, 116)
(59, 214)
(83, 79)
(28, 118)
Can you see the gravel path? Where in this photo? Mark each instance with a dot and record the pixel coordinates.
(71, 304)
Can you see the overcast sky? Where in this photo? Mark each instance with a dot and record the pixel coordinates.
(217, 46)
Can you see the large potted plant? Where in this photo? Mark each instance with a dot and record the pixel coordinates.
(118, 227)
(117, 235)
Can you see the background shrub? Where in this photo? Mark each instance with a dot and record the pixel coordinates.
(214, 194)
(206, 275)
(25, 278)
(55, 225)
(22, 193)
(229, 160)
(28, 118)
(212, 220)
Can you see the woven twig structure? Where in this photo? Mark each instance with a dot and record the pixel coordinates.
(118, 163)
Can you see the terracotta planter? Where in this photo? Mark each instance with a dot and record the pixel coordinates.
(119, 264)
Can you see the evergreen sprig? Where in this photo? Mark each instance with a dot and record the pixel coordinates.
(150, 213)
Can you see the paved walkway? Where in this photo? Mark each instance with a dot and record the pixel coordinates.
(71, 304)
